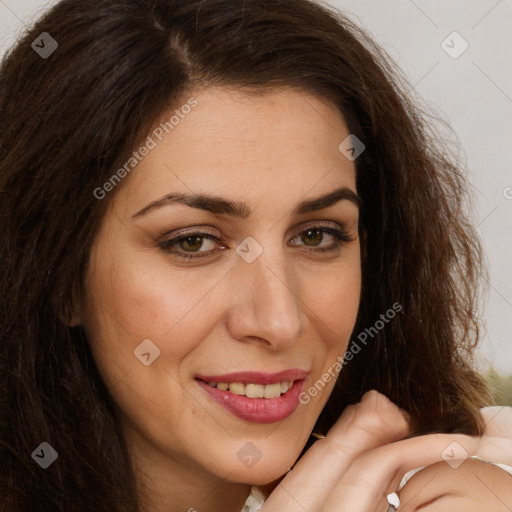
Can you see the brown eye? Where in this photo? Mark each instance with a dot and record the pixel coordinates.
(191, 243)
(312, 237)
(321, 239)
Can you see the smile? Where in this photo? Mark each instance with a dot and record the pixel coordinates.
(254, 390)
(256, 397)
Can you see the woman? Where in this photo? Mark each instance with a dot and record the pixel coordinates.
(224, 225)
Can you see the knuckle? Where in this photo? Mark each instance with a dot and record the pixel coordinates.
(374, 421)
(378, 415)
(375, 410)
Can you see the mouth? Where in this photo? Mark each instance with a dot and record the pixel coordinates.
(256, 397)
(253, 390)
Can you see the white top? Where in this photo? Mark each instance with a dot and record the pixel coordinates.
(256, 498)
(254, 501)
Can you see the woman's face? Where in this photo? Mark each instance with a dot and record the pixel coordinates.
(230, 254)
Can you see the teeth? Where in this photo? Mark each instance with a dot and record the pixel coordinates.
(272, 390)
(237, 388)
(254, 390)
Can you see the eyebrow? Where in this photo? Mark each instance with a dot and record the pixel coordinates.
(218, 205)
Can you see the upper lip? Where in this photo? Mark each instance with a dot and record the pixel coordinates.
(256, 377)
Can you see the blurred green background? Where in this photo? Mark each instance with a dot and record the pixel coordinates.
(501, 387)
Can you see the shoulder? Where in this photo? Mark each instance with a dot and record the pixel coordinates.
(472, 486)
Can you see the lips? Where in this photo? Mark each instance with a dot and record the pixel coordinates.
(256, 377)
(255, 396)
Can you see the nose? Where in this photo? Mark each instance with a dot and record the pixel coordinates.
(266, 302)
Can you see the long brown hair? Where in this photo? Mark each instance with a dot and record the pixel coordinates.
(71, 119)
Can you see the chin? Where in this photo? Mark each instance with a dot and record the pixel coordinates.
(262, 475)
(261, 468)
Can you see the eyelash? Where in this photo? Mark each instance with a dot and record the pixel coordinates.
(339, 235)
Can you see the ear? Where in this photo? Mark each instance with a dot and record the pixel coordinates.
(74, 321)
(69, 317)
(67, 309)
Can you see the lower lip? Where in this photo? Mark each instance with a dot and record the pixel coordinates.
(257, 410)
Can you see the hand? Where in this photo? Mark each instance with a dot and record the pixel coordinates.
(318, 475)
(472, 486)
(362, 460)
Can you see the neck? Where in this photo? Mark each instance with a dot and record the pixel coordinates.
(189, 493)
(168, 485)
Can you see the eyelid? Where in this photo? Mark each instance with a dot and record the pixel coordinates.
(196, 230)
(318, 224)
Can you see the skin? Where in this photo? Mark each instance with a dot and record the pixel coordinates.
(362, 460)
(473, 485)
(220, 314)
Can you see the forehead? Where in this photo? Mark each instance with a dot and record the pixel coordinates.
(233, 143)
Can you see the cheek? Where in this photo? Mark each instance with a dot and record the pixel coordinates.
(334, 309)
(132, 303)
(339, 310)
(137, 309)
(336, 302)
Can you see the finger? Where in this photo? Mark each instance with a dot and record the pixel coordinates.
(360, 490)
(361, 427)
(376, 473)
(376, 421)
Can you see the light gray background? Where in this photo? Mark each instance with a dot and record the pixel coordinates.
(472, 92)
